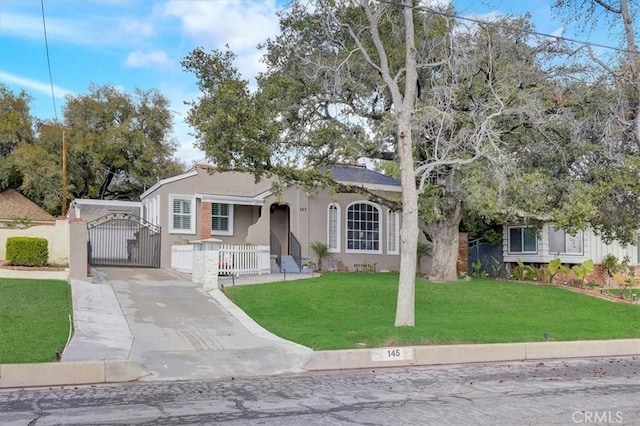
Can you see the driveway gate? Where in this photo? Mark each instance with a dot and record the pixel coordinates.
(122, 239)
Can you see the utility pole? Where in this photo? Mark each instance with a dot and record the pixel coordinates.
(64, 172)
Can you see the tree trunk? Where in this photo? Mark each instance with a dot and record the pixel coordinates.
(405, 308)
(444, 234)
(105, 183)
(404, 106)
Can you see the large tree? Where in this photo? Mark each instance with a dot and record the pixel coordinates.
(604, 114)
(16, 126)
(117, 146)
(119, 143)
(386, 80)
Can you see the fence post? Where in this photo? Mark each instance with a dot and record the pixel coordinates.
(197, 273)
(78, 259)
(206, 256)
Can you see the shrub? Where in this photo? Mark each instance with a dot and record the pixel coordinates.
(582, 270)
(27, 251)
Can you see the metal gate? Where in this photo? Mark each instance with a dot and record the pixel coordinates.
(122, 239)
(489, 257)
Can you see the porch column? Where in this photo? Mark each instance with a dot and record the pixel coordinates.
(205, 263)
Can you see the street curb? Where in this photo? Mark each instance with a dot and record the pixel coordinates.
(464, 354)
(68, 373)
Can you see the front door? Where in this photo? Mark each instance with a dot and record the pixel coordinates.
(279, 224)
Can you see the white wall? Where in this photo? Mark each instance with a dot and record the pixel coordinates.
(57, 234)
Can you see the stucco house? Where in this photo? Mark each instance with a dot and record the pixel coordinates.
(533, 245)
(234, 208)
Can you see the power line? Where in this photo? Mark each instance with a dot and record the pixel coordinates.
(46, 45)
(498, 25)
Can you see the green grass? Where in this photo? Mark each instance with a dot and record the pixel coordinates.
(350, 310)
(34, 318)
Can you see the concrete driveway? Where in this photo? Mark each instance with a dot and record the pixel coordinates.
(179, 332)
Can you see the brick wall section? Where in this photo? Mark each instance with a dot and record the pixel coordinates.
(598, 276)
(463, 253)
(205, 220)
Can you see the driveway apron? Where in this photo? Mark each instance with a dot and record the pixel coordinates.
(181, 333)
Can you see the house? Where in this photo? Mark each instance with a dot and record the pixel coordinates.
(21, 217)
(533, 245)
(234, 208)
(16, 210)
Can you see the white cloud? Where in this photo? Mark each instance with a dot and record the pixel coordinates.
(44, 88)
(140, 59)
(558, 33)
(95, 30)
(240, 24)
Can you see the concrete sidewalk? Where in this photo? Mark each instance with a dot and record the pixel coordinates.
(100, 328)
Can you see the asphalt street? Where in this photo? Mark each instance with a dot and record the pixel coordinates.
(602, 391)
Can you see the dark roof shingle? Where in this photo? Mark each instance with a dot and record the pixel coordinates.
(358, 174)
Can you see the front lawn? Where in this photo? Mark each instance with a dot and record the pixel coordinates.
(34, 318)
(351, 310)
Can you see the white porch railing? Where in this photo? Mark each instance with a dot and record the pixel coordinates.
(234, 259)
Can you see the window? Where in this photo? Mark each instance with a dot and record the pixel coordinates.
(221, 219)
(523, 240)
(363, 228)
(151, 210)
(333, 228)
(393, 232)
(562, 242)
(181, 214)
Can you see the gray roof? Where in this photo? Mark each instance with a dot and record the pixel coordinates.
(362, 175)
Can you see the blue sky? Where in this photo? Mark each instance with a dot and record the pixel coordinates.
(140, 43)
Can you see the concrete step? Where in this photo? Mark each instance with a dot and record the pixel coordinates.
(287, 263)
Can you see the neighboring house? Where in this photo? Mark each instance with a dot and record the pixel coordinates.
(541, 246)
(17, 210)
(234, 208)
(21, 217)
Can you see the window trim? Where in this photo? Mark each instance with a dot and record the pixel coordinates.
(192, 215)
(338, 246)
(396, 214)
(380, 231)
(521, 227)
(565, 252)
(229, 231)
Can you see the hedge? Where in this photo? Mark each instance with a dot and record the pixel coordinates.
(27, 251)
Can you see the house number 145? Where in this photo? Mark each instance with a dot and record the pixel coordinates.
(391, 354)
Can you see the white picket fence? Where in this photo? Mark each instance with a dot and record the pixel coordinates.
(234, 259)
